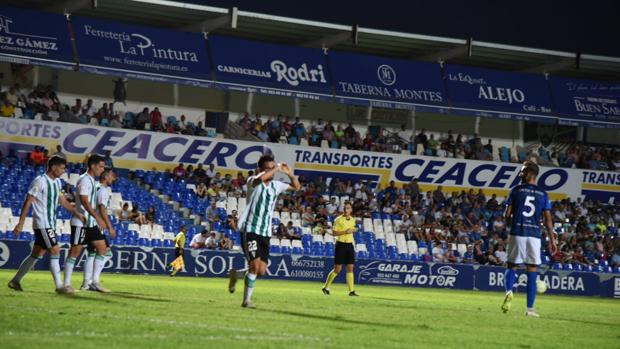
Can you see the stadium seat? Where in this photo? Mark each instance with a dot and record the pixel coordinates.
(557, 266)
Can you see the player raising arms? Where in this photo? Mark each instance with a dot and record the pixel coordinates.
(255, 222)
(526, 204)
(86, 204)
(91, 277)
(44, 195)
(344, 228)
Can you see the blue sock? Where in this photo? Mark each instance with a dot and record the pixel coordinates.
(509, 279)
(531, 288)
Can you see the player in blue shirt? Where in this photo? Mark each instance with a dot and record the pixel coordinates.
(527, 204)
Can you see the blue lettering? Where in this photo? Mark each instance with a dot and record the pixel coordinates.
(585, 176)
(298, 155)
(69, 142)
(327, 158)
(430, 170)
(542, 180)
(455, 173)
(306, 156)
(381, 162)
(592, 177)
(473, 176)
(503, 173)
(159, 153)
(219, 155)
(316, 158)
(242, 156)
(56, 132)
(365, 160)
(389, 163)
(345, 158)
(355, 160)
(107, 140)
(194, 149)
(400, 170)
(139, 146)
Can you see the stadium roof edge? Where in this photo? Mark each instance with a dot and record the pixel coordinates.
(393, 44)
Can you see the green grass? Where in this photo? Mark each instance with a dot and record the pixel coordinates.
(176, 313)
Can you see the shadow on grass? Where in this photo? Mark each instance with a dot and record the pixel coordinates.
(338, 319)
(138, 296)
(587, 322)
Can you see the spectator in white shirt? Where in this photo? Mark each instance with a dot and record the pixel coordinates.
(438, 252)
(332, 207)
(211, 242)
(199, 240)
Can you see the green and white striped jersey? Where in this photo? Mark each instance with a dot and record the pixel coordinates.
(256, 218)
(46, 193)
(87, 186)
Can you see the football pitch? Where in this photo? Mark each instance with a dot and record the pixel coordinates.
(175, 313)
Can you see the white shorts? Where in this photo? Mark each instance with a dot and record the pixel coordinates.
(523, 250)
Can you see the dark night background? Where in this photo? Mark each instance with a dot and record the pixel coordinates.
(591, 27)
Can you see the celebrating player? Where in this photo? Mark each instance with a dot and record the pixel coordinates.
(255, 222)
(106, 179)
(526, 203)
(88, 232)
(344, 228)
(44, 195)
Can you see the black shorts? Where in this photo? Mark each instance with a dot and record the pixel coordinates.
(91, 249)
(93, 234)
(178, 252)
(345, 253)
(45, 238)
(77, 235)
(255, 246)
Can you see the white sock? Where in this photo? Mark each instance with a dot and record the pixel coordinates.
(55, 269)
(249, 287)
(89, 266)
(99, 264)
(69, 265)
(25, 267)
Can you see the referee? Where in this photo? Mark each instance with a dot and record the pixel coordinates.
(344, 228)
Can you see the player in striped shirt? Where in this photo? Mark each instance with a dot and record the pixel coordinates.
(86, 232)
(92, 274)
(44, 195)
(527, 204)
(255, 222)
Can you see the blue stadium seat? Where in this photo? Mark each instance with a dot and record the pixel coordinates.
(274, 249)
(297, 250)
(577, 267)
(568, 266)
(557, 266)
(285, 249)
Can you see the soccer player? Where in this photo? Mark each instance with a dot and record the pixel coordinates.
(179, 248)
(86, 232)
(92, 274)
(255, 222)
(44, 195)
(526, 204)
(344, 228)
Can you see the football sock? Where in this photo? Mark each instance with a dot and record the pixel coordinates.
(89, 266)
(99, 264)
(330, 278)
(509, 279)
(55, 269)
(69, 264)
(531, 289)
(25, 267)
(250, 281)
(350, 282)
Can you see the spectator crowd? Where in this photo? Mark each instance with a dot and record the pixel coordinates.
(42, 100)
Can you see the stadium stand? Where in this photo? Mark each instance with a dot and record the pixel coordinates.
(43, 103)
(397, 224)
